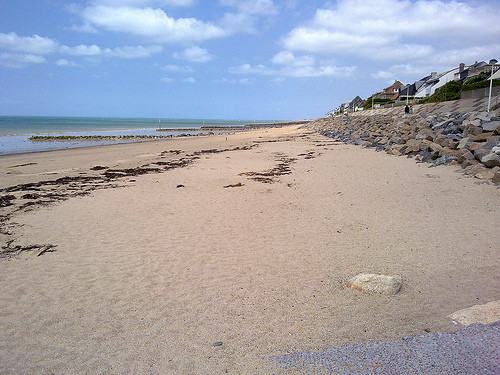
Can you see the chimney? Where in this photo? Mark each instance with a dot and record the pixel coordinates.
(461, 67)
(433, 74)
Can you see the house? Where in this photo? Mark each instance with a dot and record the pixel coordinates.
(461, 73)
(389, 92)
(436, 82)
(464, 73)
(356, 103)
(496, 75)
(412, 89)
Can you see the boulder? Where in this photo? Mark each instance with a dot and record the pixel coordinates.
(496, 149)
(480, 171)
(483, 137)
(369, 282)
(472, 130)
(491, 160)
(415, 145)
(480, 153)
(489, 126)
(435, 147)
(464, 143)
(469, 162)
(496, 175)
(465, 155)
(484, 314)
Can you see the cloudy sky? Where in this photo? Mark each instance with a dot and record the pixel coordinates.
(227, 59)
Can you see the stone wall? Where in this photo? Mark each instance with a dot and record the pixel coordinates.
(468, 140)
(480, 93)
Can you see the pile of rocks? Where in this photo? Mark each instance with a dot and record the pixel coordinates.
(470, 140)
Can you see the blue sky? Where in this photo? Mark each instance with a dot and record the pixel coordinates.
(227, 59)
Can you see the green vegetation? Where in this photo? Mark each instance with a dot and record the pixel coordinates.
(450, 91)
(368, 103)
(479, 81)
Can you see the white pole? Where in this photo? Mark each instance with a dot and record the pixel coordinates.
(492, 62)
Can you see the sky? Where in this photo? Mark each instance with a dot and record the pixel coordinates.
(228, 59)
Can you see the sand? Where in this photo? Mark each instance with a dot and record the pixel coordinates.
(149, 274)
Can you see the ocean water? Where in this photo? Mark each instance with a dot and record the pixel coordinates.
(15, 130)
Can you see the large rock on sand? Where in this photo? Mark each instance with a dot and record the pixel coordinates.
(370, 282)
(485, 314)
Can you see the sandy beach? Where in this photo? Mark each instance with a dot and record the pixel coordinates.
(210, 255)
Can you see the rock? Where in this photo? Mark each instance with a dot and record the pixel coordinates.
(469, 162)
(414, 145)
(473, 146)
(466, 155)
(451, 128)
(484, 116)
(496, 176)
(496, 149)
(425, 134)
(370, 282)
(483, 137)
(435, 147)
(484, 314)
(497, 130)
(444, 160)
(218, 343)
(480, 153)
(397, 140)
(491, 160)
(489, 126)
(479, 171)
(472, 130)
(464, 143)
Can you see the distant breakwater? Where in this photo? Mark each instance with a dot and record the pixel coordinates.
(239, 128)
(468, 140)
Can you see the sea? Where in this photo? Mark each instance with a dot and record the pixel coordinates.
(15, 131)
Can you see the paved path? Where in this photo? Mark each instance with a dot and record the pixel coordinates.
(470, 351)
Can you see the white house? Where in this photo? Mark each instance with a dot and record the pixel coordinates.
(436, 82)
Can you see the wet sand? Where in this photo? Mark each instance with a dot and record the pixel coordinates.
(245, 242)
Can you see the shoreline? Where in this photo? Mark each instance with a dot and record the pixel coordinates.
(236, 249)
(80, 141)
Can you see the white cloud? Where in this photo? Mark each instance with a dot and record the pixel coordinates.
(64, 62)
(294, 71)
(167, 80)
(150, 23)
(393, 30)
(261, 7)
(241, 81)
(194, 54)
(20, 60)
(178, 68)
(288, 58)
(446, 60)
(175, 3)
(289, 65)
(35, 44)
(248, 12)
(133, 52)
(251, 69)
(189, 80)
(81, 50)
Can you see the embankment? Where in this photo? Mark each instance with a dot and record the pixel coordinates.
(470, 140)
